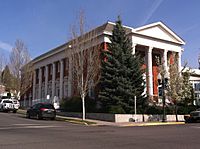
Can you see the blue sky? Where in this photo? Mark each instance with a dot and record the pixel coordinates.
(45, 24)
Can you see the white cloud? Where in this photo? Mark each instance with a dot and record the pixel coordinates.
(152, 10)
(5, 46)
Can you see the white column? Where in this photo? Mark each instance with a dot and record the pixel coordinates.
(133, 48)
(34, 83)
(46, 80)
(53, 79)
(70, 78)
(165, 60)
(61, 78)
(150, 75)
(40, 83)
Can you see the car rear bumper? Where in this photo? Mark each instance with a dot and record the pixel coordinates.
(7, 109)
(48, 115)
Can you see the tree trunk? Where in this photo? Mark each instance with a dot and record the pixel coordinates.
(176, 112)
(143, 117)
(83, 107)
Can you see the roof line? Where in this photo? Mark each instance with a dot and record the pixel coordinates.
(165, 27)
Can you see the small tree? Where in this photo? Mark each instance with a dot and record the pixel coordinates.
(85, 62)
(178, 87)
(188, 92)
(18, 58)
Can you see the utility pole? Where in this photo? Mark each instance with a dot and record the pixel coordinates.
(163, 81)
(135, 107)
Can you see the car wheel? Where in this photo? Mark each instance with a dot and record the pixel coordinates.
(14, 111)
(38, 116)
(53, 118)
(28, 115)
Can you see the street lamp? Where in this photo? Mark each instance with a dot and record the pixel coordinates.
(163, 81)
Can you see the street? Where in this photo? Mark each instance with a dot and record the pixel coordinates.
(17, 132)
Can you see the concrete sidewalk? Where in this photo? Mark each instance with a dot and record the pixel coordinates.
(123, 124)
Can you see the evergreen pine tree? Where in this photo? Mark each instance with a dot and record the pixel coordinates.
(121, 74)
(7, 78)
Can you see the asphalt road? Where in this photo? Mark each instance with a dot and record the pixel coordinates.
(17, 132)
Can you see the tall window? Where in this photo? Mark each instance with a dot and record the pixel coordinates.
(58, 66)
(66, 87)
(197, 86)
(50, 69)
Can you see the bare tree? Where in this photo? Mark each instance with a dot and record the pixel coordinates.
(2, 65)
(85, 59)
(18, 58)
(26, 78)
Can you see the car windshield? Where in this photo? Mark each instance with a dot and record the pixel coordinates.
(48, 106)
(7, 101)
(4, 97)
(14, 101)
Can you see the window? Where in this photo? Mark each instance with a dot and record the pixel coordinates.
(37, 74)
(50, 69)
(48, 106)
(44, 70)
(58, 67)
(197, 86)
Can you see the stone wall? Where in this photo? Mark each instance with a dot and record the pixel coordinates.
(123, 117)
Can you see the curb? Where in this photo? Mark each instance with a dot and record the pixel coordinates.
(152, 124)
(75, 120)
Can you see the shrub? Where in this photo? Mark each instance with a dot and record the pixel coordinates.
(74, 104)
(154, 110)
(116, 110)
(186, 109)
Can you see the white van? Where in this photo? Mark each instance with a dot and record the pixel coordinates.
(6, 105)
(16, 105)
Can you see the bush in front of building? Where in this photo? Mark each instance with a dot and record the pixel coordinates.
(182, 109)
(116, 110)
(154, 110)
(74, 104)
(186, 109)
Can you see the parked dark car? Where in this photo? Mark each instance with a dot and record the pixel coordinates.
(41, 110)
(193, 117)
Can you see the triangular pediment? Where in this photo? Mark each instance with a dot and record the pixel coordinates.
(160, 31)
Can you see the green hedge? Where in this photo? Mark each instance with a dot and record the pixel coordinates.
(74, 104)
(170, 109)
(116, 110)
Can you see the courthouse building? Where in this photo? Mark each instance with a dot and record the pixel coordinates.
(53, 74)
